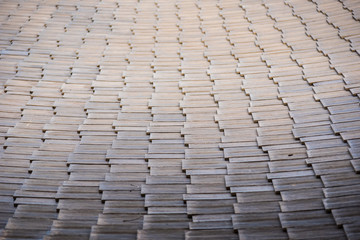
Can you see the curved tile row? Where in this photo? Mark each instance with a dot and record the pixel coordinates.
(179, 120)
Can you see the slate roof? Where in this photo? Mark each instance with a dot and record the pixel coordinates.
(170, 119)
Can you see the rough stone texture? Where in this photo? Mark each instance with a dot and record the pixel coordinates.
(170, 119)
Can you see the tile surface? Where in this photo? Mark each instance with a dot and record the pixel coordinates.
(227, 119)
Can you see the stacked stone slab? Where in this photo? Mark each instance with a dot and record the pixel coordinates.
(165, 185)
(248, 166)
(179, 119)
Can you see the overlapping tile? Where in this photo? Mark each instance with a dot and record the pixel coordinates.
(165, 185)
(179, 119)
